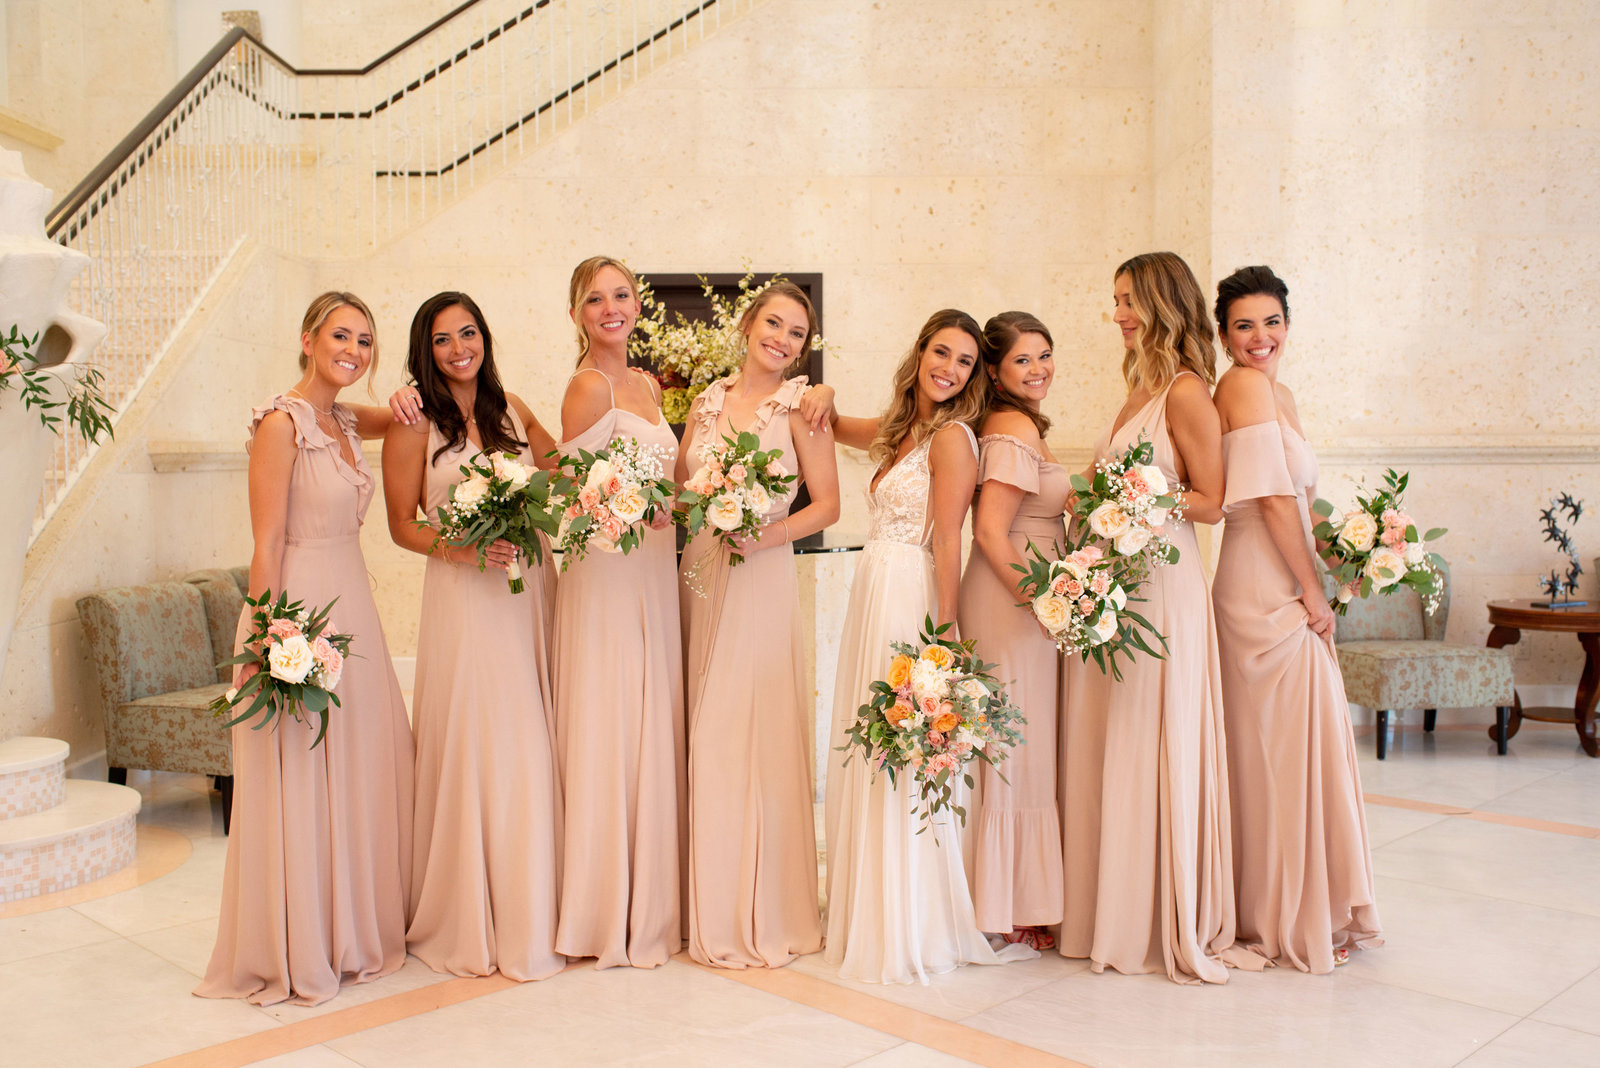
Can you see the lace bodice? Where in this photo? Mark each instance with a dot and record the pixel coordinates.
(899, 504)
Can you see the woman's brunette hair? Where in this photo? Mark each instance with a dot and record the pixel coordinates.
(325, 305)
(1174, 327)
(999, 335)
(582, 279)
(784, 288)
(900, 417)
(438, 404)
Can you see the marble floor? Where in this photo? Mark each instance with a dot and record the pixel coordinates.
(1488, 881)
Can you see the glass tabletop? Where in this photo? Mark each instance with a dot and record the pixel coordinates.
(829, 541)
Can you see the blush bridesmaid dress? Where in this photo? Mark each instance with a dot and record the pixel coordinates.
(1148, 869)
(484, 870)
(1301, 860)
(752, 838)
(319, 858)
(1016, 837)
(617, 666)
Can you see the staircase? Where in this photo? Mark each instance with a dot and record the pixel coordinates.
(55, 832)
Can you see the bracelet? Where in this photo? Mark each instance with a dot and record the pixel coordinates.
(785, 524)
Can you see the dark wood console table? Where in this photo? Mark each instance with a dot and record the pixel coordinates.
(1510, 618)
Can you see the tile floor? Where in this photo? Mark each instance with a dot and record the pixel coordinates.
(1489, 888)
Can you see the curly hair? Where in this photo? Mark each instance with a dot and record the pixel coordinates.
(1174, 327)
(900, 417)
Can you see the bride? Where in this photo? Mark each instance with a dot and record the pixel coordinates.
(898, 904)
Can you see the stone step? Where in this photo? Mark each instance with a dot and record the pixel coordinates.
(86, 837)
(33, 773)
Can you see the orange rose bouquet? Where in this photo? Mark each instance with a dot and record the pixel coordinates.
(939, 708)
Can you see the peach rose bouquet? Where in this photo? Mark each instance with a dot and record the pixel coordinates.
(1083, 599)
(735, 487)
(938, 708)
(300, 662)
(1375, 547)
(499, 497)
(1129, 510)
(604, 500)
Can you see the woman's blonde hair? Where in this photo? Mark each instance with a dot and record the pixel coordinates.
(1174, 327)
(782, 287)
(900, 417)
(582, 279)
(324, 306)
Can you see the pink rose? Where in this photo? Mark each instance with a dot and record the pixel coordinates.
(1091, 554)
(736, 474)
(1085, 605)
(718, 479)
(282, 628)
(573, 511)
(328, 661)
(588, 497)
(1074, 588)
(930, 706)
(1100, 584)
(935, 739)
(1058, 585)
(613, 527)
(611, 485)
(1135, 482)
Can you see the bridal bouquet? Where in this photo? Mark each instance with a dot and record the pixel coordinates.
(939, 707)
(301, 661)
(1082, 600)
(605, 499)
(1130, 508)
(1375, 547)
(733, 490)
(500, 497)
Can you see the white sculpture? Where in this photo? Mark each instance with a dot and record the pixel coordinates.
(35, 274)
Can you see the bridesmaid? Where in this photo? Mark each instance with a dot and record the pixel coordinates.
(898, 905)
(1022, 494)
(752, 840)
(319, 861)
(618, 669)
(1144, 794)
(1302, 866)
(483, 875)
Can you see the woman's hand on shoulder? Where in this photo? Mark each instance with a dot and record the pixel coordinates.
(406, 404)
(816, 408)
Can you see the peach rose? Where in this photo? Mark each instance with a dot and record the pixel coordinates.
(899, 671)
(897, 713)
(939, 656)
(945, 719)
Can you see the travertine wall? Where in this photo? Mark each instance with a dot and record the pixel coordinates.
(1419, 172)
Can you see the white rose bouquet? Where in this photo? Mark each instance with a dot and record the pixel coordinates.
(1375, 547)
(733, 490)
(300, 663)
(499, 497)
(605, 499)
(1129, 508)
(1082, 600)
(939, 708)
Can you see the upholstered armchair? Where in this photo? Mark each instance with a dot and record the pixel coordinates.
(153, 653)
(1393, 656)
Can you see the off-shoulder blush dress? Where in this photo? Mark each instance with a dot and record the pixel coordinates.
(752, 838)
(1148, 869)
(484, 872)
(319, 858)
(1301, 860)
(617, 665)
(1016, 837)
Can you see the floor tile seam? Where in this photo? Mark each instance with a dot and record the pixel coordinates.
(68, 949)
(1490, 897)
(1562, 993)
(1482, 815)
(1007, 1053)
(1466, 1061)
(1397, 985)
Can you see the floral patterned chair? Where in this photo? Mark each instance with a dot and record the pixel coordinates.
(154, 653)
(1393, 656)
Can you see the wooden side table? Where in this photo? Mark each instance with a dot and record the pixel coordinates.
(1510, 618)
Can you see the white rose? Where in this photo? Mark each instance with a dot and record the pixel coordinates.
(509, 470)
(1052, 612)
(966, 737)
(928, 680)
(628, 504)
(1132, 540)
(1157, 517)
(1105, 628)
(291, 660)
(598, 474)
(973, 689)
(1109, 521)
(1153, 478)
(758, 499)
(1118, 598)
(471, 491)
(1388, 560)
(1359, 532)
(1346, 594)
(233, 691)
(724, 512)
(1416, 553)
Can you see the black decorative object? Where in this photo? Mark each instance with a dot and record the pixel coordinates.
(1561, 589)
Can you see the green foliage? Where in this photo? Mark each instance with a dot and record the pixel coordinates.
(86, 405)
